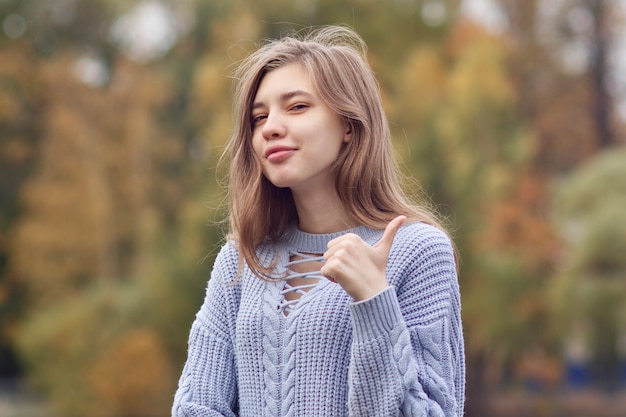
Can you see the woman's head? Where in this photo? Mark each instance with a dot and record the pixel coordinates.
(335, 59)
(365, 177)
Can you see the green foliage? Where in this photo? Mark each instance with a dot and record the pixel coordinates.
(457, 111)
(116, 348)
(84, 350)
(589, 289)
(597, 184)
(514, 300)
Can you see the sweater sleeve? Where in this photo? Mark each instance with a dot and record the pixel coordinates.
(407, 354)
(208, 384)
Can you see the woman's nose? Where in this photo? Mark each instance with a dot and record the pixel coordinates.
(274, 127)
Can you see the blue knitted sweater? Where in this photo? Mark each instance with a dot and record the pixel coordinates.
(399, 353)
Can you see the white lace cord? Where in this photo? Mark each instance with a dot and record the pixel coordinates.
(287, 306)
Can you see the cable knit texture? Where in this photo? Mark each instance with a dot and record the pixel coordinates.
(399, 353)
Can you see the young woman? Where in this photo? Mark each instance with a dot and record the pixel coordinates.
(334, 296)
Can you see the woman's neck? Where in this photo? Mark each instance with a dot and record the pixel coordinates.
(322, 212)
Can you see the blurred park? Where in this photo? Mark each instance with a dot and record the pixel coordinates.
(510, 115)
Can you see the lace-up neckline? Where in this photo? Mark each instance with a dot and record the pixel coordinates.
(304, 259)
(297, 284)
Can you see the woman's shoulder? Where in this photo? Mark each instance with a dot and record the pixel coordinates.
(226, 262)
(418, 240)
(419, 233)
(421, 250)
(228, 252)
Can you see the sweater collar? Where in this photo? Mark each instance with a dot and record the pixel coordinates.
(303, 242)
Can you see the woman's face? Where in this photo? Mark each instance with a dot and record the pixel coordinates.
(296, 136)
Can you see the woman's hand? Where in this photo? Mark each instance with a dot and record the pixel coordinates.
(358, 267)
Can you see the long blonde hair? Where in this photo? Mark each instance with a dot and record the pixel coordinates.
(367, 180)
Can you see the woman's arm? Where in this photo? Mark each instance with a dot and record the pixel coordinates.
(407, 353)
(208, 384)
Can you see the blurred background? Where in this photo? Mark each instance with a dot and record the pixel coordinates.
(509, 114)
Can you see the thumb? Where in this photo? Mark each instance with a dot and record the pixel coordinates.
(384, 244)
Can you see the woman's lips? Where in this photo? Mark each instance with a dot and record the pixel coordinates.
(278, 154)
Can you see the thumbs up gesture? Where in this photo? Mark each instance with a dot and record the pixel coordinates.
(358, 267)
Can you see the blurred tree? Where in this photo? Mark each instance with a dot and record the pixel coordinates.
(89, 209)
(601, 40)
(96, 184)
(31, 33)
(588, 291)
(562, 60)
(133, 378)
(95, 355)
(21, 102)
(551, 99)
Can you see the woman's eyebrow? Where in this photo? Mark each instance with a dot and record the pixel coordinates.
(291, 94)
(285, 97)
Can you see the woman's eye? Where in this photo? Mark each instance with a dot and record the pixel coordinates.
(299, 106)
(256, 119)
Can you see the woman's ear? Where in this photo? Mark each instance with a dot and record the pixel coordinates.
(348, 133)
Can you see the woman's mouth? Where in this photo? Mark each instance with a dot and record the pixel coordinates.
(279, 153)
